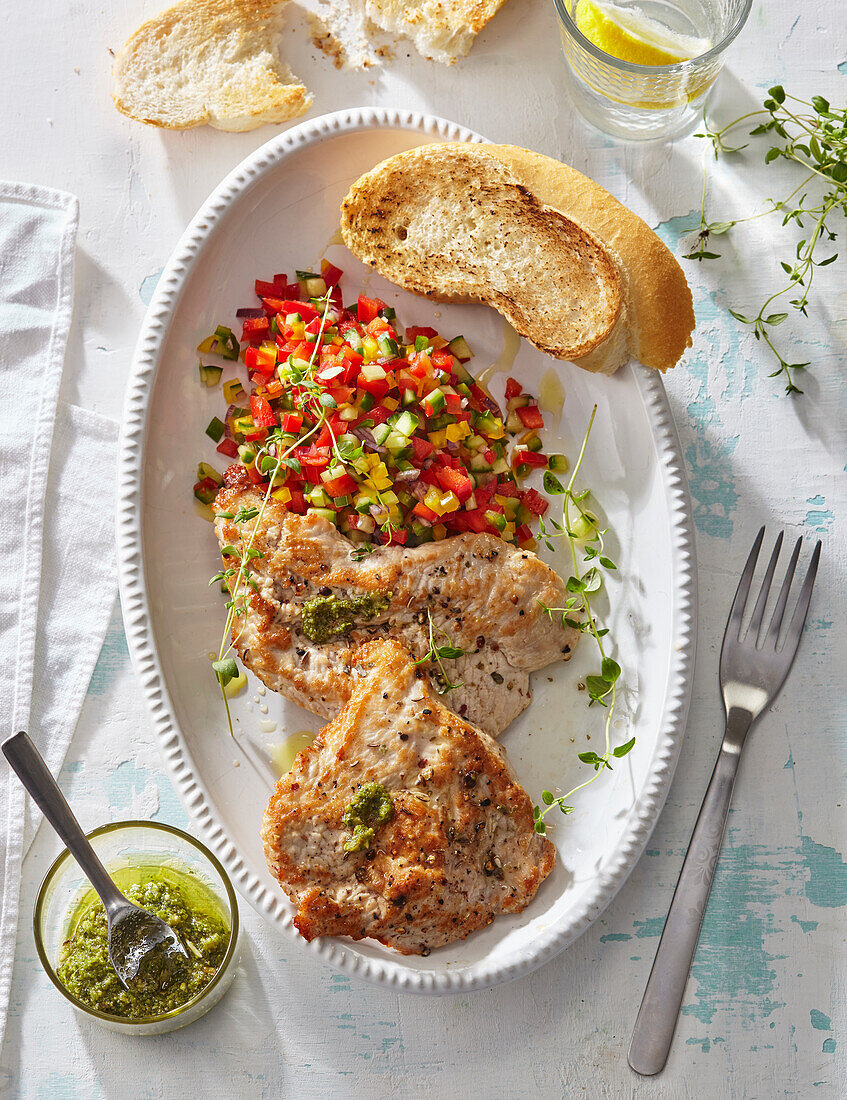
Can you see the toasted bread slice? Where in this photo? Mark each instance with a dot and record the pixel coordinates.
(209, 61)
(657, 320)
(454, 223)
(442, 30)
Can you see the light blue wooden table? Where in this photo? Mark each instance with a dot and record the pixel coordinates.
(764, 1015)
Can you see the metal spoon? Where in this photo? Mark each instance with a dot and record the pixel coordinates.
(143, 949)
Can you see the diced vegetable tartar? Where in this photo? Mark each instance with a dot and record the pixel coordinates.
(387, 434)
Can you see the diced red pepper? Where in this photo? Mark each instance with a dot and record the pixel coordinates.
(442, 359)
(260, 359)
(429, 477)
(266, 290)
(530, 416)
(341, 394)
(455, 481)
(368, 308)
(292, 422)
(476, 521)
(507, 489)
(306, 310)
(341, 486)
(453, 403)
(297, 502)
(420, 365)
(420, 509)
(379, 387)
(513, 388)
(378, 414)
(421, 449)
(523, 533)
(227, 447)
(397, 535)
(535, 502)
(419, 330)
(255, 328)
(256, 476)
(330, 273)
(263, 415)
(530, 458)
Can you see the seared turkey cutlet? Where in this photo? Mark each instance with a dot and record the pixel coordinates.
(402, 822)
(479, 594)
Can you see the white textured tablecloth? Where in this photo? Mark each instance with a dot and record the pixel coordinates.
(764, 1014)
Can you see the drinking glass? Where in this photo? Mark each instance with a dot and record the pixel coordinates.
(645, 102)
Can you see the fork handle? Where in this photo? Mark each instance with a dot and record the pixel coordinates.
(657, 1017)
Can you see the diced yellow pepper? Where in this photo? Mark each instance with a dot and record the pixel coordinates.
(439, 532)
(438, 439)
(449, 503)
(282, 494)
(390, 403)
(389, 498)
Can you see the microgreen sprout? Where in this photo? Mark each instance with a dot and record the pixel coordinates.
(237, 579)
(439, 653)
(813, 135)
(581, 529)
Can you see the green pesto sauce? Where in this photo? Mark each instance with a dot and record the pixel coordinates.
(85, 970)
(370, 807)
(326, 617)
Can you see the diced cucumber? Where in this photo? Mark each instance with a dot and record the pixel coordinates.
(353, 339)
(406, 423)
(205, 470)
(246, 454)
(513, 424)
(373, 372)
(388, 347)
(381, 433)
(215, 430)
(421, 343)
(395, 442)
(533, 444)
(366, 401)
(327, 513)
(501, 466)
(409, 397)
(317, 497)
(459, 347)
(558, 464)
(478, 462)
(519, 402)
(210, 376)
(293, 318)
(435, 401)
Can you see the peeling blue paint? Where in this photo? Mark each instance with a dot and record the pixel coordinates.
(826, 886)
(704, 1044)
(114, 657)
(148, 286)
(805, 925)
(828, 1046)
(820, 1020)
(615, 937)
(842, 68)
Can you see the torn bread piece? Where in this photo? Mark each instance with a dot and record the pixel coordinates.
(401, 822)
(441, 30)
(209, 61)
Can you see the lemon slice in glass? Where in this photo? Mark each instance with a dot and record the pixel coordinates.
(629, 35)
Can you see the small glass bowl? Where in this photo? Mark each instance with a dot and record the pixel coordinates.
(125, 846)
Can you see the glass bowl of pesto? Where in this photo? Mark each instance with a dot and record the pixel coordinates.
(165, 871)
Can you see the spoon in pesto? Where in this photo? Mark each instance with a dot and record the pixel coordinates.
(143, 949)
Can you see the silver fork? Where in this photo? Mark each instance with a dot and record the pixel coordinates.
(753, 668)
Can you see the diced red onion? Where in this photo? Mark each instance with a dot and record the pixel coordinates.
(406, 475)
(250, 311)
(366, 437)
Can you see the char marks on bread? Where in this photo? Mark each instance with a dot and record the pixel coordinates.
(454, 224)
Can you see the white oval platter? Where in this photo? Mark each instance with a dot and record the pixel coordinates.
(279, 210)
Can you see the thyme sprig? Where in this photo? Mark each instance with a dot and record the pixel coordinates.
(439, 653)
(581, 528)
(813, 135)
(237, 579)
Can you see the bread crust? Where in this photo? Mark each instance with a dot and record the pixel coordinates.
(659, 313)
(453, 224)
(216, 63)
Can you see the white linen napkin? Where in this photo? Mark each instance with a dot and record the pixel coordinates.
(57, 469)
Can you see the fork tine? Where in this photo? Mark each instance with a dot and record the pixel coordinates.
(764, 592)
(736, 613)
(782, 600)
(798, 619)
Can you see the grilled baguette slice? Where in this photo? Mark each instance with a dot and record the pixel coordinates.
(209, 61)
(454, 223)
(657, 320)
